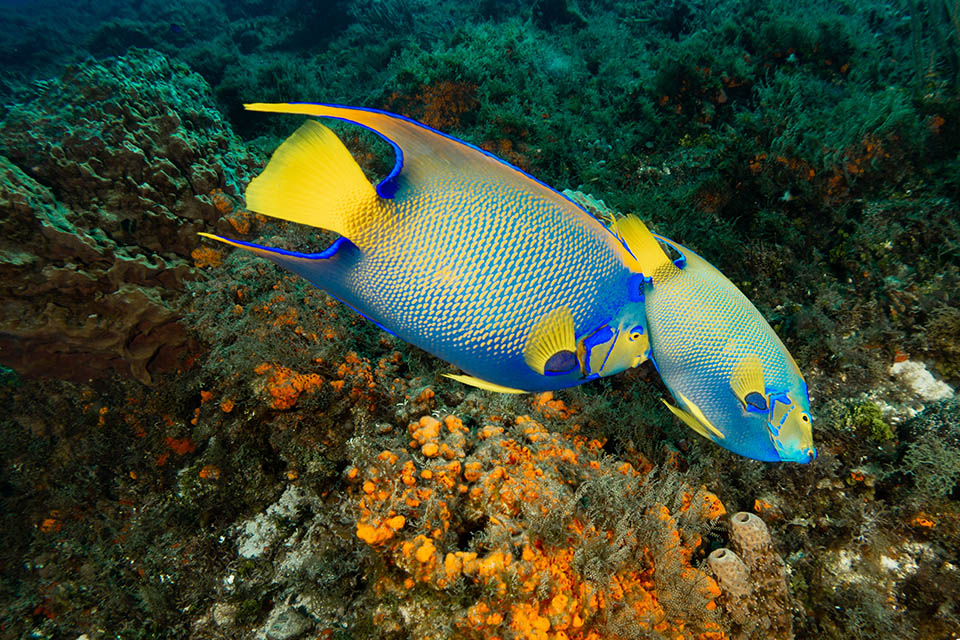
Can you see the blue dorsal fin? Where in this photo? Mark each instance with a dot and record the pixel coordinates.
(425, 156)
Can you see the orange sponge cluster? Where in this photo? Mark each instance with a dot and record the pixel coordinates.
(455, 515)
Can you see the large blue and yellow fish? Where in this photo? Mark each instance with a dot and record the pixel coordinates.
(476, 262)
(733, 379)
(458, 253)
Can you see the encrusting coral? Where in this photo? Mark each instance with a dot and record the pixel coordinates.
(753, 582)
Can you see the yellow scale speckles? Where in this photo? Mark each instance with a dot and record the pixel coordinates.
(470, 283)
(695, 325)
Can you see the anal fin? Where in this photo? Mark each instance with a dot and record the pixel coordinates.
(482, 384)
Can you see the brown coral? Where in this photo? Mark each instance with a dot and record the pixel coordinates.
(102, 178)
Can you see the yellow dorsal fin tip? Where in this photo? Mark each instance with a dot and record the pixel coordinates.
(645, 248)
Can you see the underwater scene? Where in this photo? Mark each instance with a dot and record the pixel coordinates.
(539, 320)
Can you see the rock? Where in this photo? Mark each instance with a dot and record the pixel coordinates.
(105, 178)
(285, 623)
(916, 378)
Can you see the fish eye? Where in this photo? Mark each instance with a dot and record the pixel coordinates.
(805, 418)
(636, 333)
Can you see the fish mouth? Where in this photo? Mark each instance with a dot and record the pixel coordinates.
(803, 455)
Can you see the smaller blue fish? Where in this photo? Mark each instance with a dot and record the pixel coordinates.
(734, 381)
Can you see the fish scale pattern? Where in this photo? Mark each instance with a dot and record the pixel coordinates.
(691, 329)
(451, 270)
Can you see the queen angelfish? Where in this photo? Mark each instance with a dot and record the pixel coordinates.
(733, 379)
(458, 253)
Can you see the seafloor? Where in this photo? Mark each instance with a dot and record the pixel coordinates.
(197, 445)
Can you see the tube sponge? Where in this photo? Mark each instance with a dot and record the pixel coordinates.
(753, 581)
(749, 534)
(731, 572)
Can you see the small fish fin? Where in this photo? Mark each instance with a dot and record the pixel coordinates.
(426, 157)
(748, 384)
(641, 244)
(695, 419)
(483, 384)
(551, 347)
(687, 419)
(312, 179)
(323, 269)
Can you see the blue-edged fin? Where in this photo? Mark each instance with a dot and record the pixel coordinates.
(551, 347)
(312, 179)
(747, 383)
(645, 249)
(426, 157)
(483, 384)
(695, 419)
(321, 269)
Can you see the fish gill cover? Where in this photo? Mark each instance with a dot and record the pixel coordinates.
(197, 445)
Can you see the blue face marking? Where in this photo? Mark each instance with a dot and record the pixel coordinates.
(560, 363)
(637, 329)
(610, 350)
(635, 287)
(600, 336)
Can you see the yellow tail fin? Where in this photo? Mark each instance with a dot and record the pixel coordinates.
(646, 250)
(312, 179)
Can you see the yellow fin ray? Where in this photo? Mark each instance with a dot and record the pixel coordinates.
(312, 179)
(695, 419)
(232, 243)
(482, 384)
(644, 247)
(747, 379)
(553, 334)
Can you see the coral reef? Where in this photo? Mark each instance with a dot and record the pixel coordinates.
(509, 530)
(293, 472)
(105, 178)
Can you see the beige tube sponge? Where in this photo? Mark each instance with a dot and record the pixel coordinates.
(749, 533)
(731, 572)
(753, 579)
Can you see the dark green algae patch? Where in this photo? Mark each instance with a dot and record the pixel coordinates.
(182, 425)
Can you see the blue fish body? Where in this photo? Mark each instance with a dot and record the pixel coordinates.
(734, 381)
(459, 254)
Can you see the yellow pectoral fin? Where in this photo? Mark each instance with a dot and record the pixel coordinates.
(551, 347)
(312, 179)
(748, 384)
(696, 421)
(483, 384)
